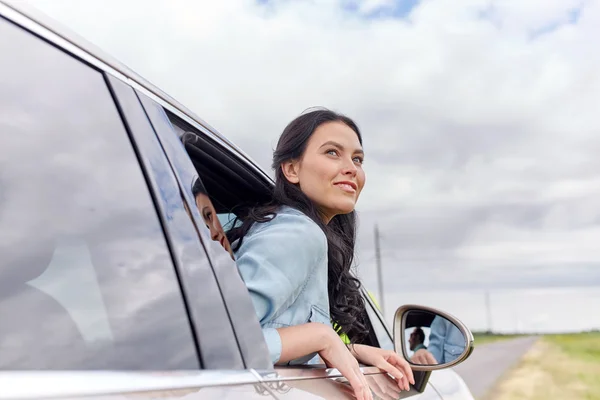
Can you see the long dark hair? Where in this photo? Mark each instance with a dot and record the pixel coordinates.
(346, 305)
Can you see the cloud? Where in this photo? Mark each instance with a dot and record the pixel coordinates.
(479, 116)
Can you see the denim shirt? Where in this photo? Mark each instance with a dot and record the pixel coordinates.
(446, 341)
(284, 265)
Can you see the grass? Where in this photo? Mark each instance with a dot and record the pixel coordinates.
(485, 337)
(557, 367)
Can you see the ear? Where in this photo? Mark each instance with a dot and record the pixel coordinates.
(290, 171)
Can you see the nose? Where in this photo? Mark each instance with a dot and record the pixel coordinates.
(214, 233)
(349, 168)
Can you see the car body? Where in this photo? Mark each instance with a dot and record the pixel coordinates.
(111, 286)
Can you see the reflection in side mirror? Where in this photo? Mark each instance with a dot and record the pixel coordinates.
(430, 339)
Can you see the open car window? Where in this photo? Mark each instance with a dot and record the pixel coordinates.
(223, 183)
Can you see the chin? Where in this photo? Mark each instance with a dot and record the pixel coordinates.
(345, 208)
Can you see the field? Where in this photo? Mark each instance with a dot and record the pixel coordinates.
(557, 367)
(484, 337)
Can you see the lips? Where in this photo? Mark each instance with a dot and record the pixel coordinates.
(347, 186)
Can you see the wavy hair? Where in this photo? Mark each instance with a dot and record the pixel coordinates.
(346, 304)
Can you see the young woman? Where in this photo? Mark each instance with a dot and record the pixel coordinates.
(295, 254)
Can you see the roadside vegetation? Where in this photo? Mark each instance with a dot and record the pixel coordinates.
(557, 367)
(488, 337)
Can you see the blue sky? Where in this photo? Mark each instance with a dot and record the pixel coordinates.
(395, 9)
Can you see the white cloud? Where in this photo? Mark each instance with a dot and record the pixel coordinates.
(465, 105)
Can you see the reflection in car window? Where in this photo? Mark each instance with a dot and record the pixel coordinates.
(384, 339)
(209, 215)
(86, 278)
(227, 220)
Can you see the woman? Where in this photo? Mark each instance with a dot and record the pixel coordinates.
(209, 215)
(295, 254)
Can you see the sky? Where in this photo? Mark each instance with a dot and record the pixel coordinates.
(479, 117)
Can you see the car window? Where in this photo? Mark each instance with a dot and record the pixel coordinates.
(383, 337)
(227, 220)
(86, 277)
(232, 329)
(210, 181)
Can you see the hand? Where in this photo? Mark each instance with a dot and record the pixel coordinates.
(386, 360)
(384, 386)
(337, 355)
(423, 357)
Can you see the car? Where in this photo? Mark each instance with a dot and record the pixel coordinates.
(110, 283)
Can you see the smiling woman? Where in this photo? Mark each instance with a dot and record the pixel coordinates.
(295, 253)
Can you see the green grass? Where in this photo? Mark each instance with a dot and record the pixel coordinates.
(484, 337)
(557, 367)
(584, 346)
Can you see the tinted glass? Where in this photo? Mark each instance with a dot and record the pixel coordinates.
(86, 278)
(242, 319)
(384, 339)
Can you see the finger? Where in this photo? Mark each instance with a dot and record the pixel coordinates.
(399, 363)
(392, 388)
(389, 386)
(367, 389)
(359, 384)
(431, 359)
(377, 389)
(405, 367)
(395, 372)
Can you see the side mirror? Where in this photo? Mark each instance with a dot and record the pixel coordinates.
(430, 339)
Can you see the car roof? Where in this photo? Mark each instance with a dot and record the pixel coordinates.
(51, 30)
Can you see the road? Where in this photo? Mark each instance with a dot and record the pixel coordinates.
(488, 362)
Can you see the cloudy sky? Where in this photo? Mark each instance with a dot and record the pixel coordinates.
(480, 117)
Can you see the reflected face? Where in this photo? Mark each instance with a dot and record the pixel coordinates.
(209, 215)
(330, 171)
(414, 339)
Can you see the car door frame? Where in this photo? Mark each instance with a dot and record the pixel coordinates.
(216, 341)
(233, 291)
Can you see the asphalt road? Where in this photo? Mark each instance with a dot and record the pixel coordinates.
(488, 362)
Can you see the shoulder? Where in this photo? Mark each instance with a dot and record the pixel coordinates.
(292, 226)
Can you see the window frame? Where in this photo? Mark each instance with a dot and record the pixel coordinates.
(241, 310)
(216, 348)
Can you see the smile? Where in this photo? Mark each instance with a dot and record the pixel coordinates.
(349, 187)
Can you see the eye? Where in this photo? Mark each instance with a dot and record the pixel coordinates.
(332, 152)
(358, 160)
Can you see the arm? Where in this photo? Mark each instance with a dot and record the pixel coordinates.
(300, 340)
(437, 337)
(275, 261)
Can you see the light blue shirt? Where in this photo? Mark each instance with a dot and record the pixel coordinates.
(446, 341)
(284, 265)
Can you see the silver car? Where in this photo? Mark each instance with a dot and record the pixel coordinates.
(111, 285)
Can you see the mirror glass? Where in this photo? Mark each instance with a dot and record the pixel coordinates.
(430, 339)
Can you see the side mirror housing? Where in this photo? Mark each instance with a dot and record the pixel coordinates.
(430, 339)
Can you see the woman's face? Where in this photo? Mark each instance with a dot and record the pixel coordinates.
(330, 171)
(209, 215)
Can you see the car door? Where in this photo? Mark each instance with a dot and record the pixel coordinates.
(86, 279)
(95, 240)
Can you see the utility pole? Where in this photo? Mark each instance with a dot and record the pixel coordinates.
(379, 272)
